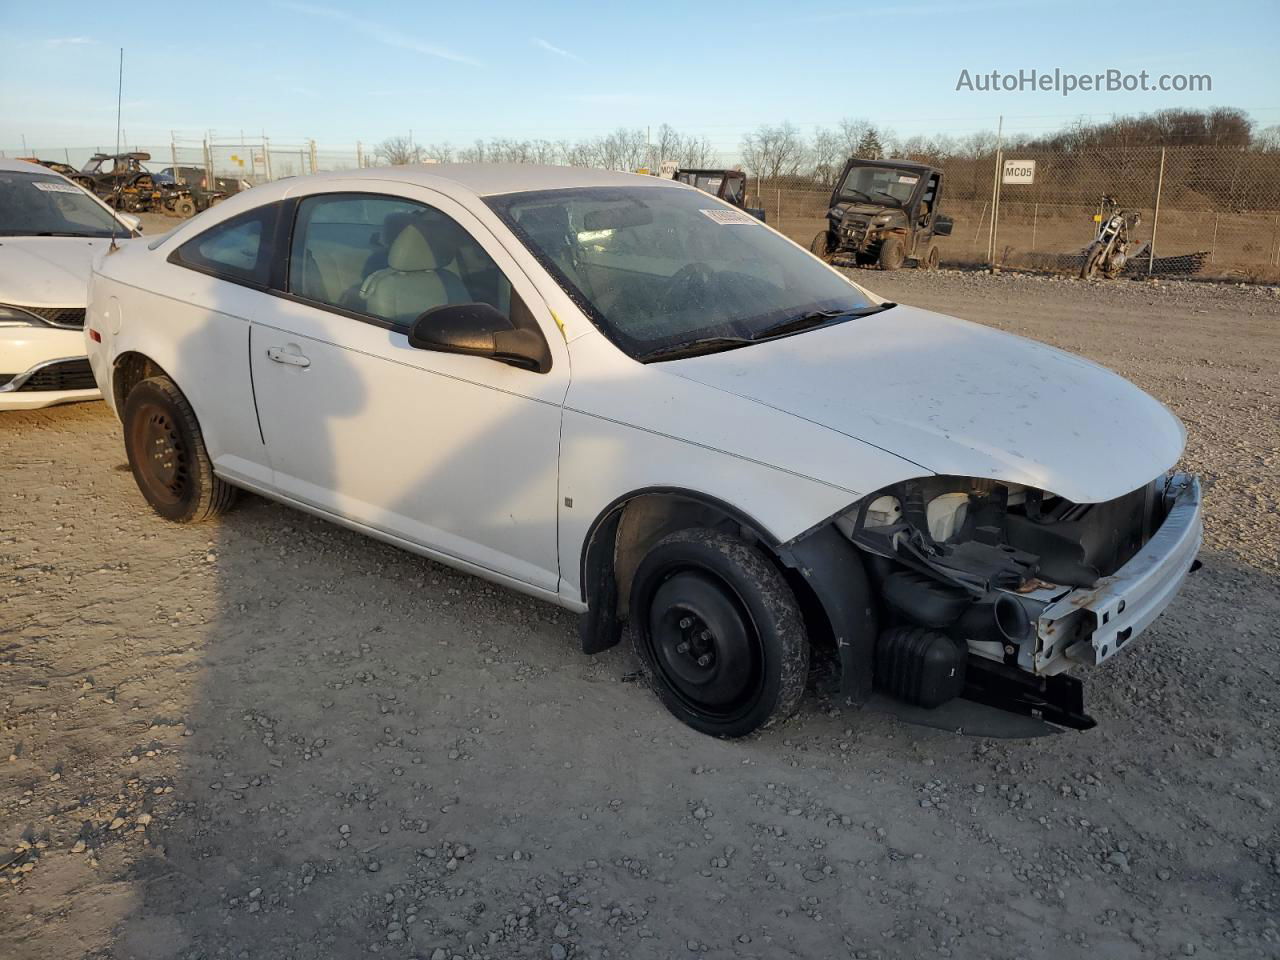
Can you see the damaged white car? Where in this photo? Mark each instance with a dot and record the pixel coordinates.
(625, 397)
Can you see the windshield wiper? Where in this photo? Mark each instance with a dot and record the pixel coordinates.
(692, 348)
(817, 318)
(857, 191)
(896, 201)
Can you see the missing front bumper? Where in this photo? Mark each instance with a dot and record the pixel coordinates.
(1092, 625)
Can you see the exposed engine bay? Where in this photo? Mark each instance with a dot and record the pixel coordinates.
(989, 588)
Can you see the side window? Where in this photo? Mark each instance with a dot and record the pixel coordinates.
(389, 258)
(238, 249)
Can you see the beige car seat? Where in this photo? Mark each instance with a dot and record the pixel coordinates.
(415, 279)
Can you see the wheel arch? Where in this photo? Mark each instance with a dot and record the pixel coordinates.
(128, 369)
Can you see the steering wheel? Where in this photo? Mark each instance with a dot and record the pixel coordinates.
(690, 283)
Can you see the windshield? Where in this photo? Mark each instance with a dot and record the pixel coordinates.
(879, 185)
(33, 204)
(655, 267)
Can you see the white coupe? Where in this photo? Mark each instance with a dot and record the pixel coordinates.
(625, 397)
(50, 232)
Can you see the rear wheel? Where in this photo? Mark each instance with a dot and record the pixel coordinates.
(184, 207)
(930, 260)
(167, 454)
(892, 253)
(719, 633)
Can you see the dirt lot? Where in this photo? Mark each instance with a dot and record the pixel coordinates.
(271, 738)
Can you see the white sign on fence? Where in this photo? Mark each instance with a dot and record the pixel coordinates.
(1019, 171)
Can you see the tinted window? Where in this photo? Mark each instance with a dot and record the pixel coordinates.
(238, 249)
(389, 258)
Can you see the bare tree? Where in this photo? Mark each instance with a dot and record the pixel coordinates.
(826, 154)
(851, 130)
(398, 150)
(771, 152)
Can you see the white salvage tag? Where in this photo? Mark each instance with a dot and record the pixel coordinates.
(730, 216)
(52, 186)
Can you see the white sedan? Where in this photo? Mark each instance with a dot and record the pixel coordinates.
(50, 232)
(625, 397)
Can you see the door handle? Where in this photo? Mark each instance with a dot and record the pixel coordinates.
(292, 359)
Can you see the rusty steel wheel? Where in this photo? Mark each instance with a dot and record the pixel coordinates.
(167, 455)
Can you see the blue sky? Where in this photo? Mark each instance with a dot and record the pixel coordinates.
(457, 71)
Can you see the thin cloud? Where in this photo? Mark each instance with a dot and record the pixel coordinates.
(380, 32)
(558, 51)
(68, 41)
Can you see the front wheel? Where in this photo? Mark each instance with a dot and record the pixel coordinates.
(167, 454)
(1092, 260)
(820, 247)
(185, 207)
(719, 633)
(892, 253)
(931, 259)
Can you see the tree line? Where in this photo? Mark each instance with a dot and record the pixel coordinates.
(771, 151)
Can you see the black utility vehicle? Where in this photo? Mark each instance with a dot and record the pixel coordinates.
(727, 185)
(884, 212)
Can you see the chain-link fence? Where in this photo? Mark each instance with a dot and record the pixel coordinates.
(1209, 212)
(1205, 211)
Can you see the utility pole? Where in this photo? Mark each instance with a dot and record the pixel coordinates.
(995, 194)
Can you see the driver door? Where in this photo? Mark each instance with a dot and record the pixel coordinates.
(456, 455)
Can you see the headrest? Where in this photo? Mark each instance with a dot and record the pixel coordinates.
(410, 251)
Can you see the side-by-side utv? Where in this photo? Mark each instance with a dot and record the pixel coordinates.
(884, 212)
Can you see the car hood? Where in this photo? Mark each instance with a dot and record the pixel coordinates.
(958, 398)
(47, 271)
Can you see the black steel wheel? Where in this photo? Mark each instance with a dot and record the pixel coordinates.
(167, 454)
(184, 207)
(719, 633)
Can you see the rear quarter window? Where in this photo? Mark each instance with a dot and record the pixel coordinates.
(238, 250)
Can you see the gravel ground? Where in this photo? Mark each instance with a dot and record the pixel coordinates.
(272, 738)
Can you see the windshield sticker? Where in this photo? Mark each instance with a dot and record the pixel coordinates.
(902, 179)
(49, 186)
(727, 217)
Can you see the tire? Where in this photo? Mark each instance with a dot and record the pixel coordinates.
(930, 259)
(1092, 257)
(820, 247)
(892, 253)
(184, 207)
(167, 454)
(719, 633)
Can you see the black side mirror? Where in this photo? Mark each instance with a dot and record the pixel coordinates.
(480, 330)
(942, 225)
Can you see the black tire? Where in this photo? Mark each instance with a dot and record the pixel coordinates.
(184, 207)
(820, 246)
(892, 253)
(167, 455)
(719, 633)
(1092, 257)
(930, 259)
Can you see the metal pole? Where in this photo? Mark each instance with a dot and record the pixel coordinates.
(995, 196)
(266, 156)
(1213, 245)
(173, 159)
(209, 182)
(359, 156)
(1155, 220)
(1035, 215)
(313, 156)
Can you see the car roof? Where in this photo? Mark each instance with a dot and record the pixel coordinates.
(22, 166)
(480, 179)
